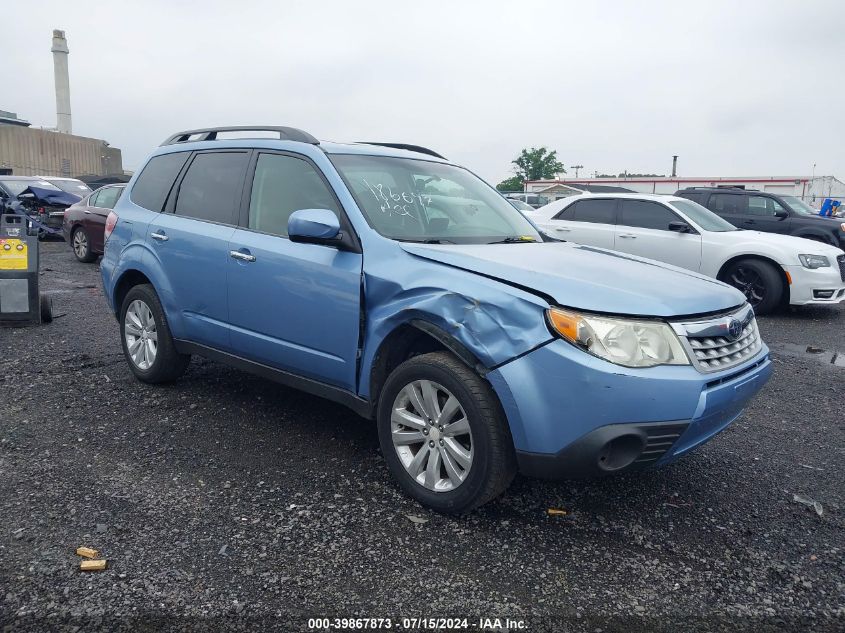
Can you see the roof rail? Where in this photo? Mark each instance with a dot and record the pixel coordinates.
(411, 148)
(210, 134)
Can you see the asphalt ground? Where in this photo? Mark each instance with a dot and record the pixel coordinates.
(227, 502)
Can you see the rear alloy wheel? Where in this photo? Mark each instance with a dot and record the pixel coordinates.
(759, 281)
(443, 434)
(147, 342)
(82, 246)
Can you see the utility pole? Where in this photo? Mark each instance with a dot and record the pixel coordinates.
(576, 168)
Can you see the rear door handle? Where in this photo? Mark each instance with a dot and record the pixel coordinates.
(629, 236)
(161, 237)
(244, 257)
(562, 230)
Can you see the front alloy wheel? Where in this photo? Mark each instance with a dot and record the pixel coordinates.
(443, 433)
(432, 435)
(139, 329)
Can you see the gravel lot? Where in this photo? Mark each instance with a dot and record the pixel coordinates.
(227, 502)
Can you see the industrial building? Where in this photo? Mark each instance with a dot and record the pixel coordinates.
(30, 151)
(812, 189)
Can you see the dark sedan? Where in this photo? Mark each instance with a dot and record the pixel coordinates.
(84, 222)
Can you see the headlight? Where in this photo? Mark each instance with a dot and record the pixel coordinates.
(814, 261)
(625, 342)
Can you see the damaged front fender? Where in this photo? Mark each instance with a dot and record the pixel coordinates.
(493, 321)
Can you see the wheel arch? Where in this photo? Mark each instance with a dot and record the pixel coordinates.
(762, 258)
(410, 339)
(818, 235)
(128, 280)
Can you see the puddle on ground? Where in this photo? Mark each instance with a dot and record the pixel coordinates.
(821, 355)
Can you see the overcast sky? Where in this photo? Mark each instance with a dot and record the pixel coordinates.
(734, 88)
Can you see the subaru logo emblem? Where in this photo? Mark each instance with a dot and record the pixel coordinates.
(734, 329)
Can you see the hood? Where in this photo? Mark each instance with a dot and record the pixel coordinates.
(588, 278)
(51, 196)
(789, 244)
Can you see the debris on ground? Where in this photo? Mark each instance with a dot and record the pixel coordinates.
(556, 512)
(415, 519)
(87, 552)
(810, 503)
(93, 565)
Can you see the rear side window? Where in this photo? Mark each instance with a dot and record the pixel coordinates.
(151, 189)
(284, 184)
(598, 211)
(107, 198)
(728, 203)
(212, 186)
(646, 215)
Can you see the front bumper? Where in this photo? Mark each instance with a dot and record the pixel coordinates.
(816, 286)
(574, 415)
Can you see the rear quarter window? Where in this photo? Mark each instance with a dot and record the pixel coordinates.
(151, 189)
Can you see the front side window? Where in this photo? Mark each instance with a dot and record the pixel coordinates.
(155, 181)
(646, 215)
(799, 206)
(761, 205)
(424, 201)
(283, 184)
(212, 186)
(704, 218)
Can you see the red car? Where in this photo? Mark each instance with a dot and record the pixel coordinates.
(84, 223)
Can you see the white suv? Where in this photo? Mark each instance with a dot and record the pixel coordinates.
(768, 268)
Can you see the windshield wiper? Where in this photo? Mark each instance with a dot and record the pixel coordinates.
(428, 241)
(515, 239)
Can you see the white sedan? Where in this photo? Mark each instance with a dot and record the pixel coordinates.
(770, 269)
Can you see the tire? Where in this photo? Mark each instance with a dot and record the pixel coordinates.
(492, 463)
(80, 243)
(164, 364)
(759, 281)
(45, 306)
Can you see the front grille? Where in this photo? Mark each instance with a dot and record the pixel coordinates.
(721, 352)
(841, 260)
(659, 439)
(712, 353)
(716, 343)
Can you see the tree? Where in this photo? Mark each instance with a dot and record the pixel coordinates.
(513, 183)
(538, 164)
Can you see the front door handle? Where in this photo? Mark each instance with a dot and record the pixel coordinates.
(629, 236)
(562, 230)
(161, 237)
(244, 257)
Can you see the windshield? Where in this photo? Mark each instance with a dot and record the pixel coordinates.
(799, 206)
(423, 201)
(16, 187)
(704, 218)
(73, 186)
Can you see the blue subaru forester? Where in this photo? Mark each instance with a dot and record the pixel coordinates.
(386, 278)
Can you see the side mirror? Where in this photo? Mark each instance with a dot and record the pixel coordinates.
(680, 227)
(314, 226)
(781, 214)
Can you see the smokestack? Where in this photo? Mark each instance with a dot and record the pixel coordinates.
(674, 166)
(60, 53)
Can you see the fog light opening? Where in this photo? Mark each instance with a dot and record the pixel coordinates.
(620, 452)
